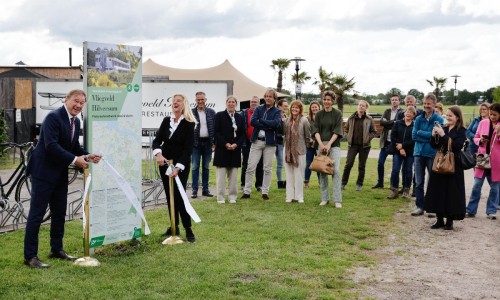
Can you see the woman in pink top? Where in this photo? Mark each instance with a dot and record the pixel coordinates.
(488, 139)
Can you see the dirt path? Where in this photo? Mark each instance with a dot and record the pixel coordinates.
(420, 263)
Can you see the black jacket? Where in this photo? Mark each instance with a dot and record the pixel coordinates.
(402, 134)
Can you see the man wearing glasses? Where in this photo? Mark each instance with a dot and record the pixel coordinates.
(203, 145)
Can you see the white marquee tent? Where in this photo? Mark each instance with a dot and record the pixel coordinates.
(244, 88)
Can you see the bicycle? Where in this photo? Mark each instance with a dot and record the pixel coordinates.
(73, 172)
(19, 182)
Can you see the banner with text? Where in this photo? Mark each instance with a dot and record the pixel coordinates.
(113, 80)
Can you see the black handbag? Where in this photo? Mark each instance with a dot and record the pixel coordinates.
(466, 159)
(390, 148)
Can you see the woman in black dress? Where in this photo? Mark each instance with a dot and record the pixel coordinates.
(445, 194)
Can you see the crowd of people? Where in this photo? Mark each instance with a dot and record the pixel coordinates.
(252, 139)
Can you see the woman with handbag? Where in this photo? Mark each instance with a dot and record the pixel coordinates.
(314, 107)
(327, 132)
(402, 144)
(297, 135)
(488, 139)
(445, 194)
(484, 113)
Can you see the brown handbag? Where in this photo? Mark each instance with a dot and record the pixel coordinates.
(444, 163)
(322, 163)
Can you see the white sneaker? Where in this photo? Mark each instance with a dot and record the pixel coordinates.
(492, 216)
(232, 201)
(338, 205)
(221, 201)
(288, 200)
(323, 202)
(301, 201)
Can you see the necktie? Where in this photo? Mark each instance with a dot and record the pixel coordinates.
(72, 128)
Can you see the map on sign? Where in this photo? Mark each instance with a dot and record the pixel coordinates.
(113, 109)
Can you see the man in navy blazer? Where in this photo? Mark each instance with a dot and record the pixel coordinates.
(57, 148)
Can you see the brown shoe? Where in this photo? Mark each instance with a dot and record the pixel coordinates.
(245, 196)
(34, 262)
(306, 184)
(394, 194)
(265, 197)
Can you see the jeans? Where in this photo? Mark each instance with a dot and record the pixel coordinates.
(259, 150)
(202, 152)
(421, 163)
(323, 178)
(407, 163)
(259, 172)
(279, 162)
(475, 196)
(310, 154)
(381, 162)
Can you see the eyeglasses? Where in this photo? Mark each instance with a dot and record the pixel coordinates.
(200, 100)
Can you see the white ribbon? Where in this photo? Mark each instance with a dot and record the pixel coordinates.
(84, 200)
(190, 210)
(129, 193)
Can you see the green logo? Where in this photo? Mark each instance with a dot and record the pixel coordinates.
(129, 87)
(136, 87)
(97, 241)
(137, 233)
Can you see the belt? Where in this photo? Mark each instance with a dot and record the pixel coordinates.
(261, 139)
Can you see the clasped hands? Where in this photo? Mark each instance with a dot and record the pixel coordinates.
(231, 146)
(83, 161)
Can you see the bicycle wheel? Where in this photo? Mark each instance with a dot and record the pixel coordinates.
(23, 197)
(72, 174)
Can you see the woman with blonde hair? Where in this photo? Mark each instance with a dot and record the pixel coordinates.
(174, 142)
(360, 130)
(297, 135)
(484, 113)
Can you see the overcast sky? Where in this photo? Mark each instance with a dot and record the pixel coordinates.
(382, 43)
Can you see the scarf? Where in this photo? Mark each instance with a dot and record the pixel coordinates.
(292, 140)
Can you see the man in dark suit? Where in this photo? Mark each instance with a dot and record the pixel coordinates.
(57, 148)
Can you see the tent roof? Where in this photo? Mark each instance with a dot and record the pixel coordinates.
(244, 88)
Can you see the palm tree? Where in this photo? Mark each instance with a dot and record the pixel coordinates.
(438, 84)
(282, 64)
(301, 79)
(324, 77)
(341, 85)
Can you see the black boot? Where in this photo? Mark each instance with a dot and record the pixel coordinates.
(190, 235)
(169, 231)
(449, 224)
(281, 184)
(439, 223)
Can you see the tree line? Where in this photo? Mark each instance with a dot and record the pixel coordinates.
(343, 86)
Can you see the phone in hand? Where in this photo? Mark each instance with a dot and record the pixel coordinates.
(485, 136)
(436, 123)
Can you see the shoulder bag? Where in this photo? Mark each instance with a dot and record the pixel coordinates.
(483, 159)
(444, 163)
(322, 163)
(466, 158)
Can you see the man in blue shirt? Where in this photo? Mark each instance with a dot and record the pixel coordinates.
(423, 152)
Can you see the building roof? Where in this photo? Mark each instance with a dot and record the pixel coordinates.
(244, 88)
(21, 73)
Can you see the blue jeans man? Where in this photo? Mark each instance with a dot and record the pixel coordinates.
(421, 163)
(382, 157)
(201, 153)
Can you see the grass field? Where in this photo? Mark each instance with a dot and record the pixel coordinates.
(249, 250)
